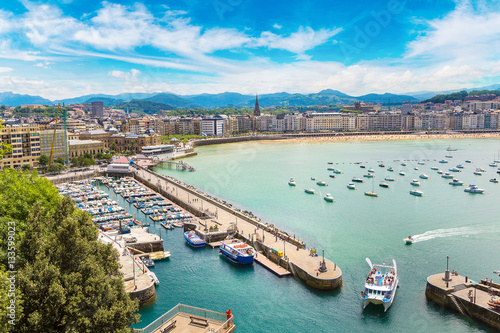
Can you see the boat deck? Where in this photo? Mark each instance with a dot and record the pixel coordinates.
(278, 270)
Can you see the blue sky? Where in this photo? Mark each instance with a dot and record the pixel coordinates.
(66, 48)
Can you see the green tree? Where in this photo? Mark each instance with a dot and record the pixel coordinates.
(60, 160)
(99, 156)
(113, 146)
(55, 167)
(26, 167)
(87, 155)
(43, 160)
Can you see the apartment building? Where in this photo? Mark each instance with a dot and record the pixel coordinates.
(25, 142)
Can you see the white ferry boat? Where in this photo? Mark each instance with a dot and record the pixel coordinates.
(237, 251)
(381, 284)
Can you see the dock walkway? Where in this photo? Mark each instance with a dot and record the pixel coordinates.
(278, 270)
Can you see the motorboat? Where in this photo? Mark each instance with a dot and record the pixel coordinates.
(401, 173)
(390, 169)
(385, 185)
(371, 170)
(403, 164)
(494, 180)
(481, 169)
(447, 175)
(389, 179)
(328, 197)
(331, 169)
(416, 193)
(434, 168)
(291, 182)
(415, 168)
(421, 163)
(357, 180)
(494, 165)
(424, 176)
(337, 171)
(443, 161)
(153, 278)
(351, 186)
(147, 261)
(478, 172)
(448, 156)
(330, 162)
(473, 189)
(193, 239)
(408, 240)
(237, 251)
(321, 183)
(454, 170)
(362, 166)
(415, 182)
(331, 176)
(456, 182)
(368, 175)
(468, 161)
(451, 149)
(381, 284)
(440, 172)
(381, 165)
(309, 190)
(460, 166)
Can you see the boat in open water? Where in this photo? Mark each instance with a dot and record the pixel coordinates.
(193, 239)
(328, 197)
(237, 251)
(456, 182)
(291, 182)
(408, 240)
(381, 284)
(474, 189)
(351, 186)
(309, 190)
(417, 193)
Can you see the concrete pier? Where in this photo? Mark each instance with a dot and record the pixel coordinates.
(465, 296)
(217, 220)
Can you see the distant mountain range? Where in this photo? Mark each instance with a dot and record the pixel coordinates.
(230, 99)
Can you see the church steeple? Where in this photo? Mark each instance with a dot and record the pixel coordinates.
(256, 110)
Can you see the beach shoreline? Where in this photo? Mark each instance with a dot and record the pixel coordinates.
(387, 137)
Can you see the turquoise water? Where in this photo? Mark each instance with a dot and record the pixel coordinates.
(254, 176)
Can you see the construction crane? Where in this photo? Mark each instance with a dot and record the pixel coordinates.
(54, 136)
(64, 117)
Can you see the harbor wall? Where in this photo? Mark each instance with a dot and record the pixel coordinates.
(315, 282)
(217, 141)
(155, 246)
(145, 295)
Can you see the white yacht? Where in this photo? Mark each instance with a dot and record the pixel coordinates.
(415, 168)
(321, 183)
(371, 170)
(351, 186)
(401, 173)
(381, 284)
(456, 182)
(416, 193)
(424, 176)
(474, 189)
(443, 161)
(390, 179)
(447, 175)
(478, 172)
(415, 182)
(291, 182)
(328, 197)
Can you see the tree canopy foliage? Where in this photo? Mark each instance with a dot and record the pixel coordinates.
(66, 280)
(47, 111)
(460, 95)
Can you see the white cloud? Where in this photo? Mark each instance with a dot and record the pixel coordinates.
(46, 64)
(6, 22)
(6, 69)
(277, 26)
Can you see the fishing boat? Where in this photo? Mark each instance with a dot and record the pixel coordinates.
(362, 166)
(460, 166)
(447, 175)
(357, 180)
(401, 173)
(415, 182)
(473, 189)
(193, 239)
(390, 179)
(443, 161)
(454, 170)
(381, 284)
(434, 168)
(337, 171)
(408, 240)
(403, 164)
(448, 156)
(372, 192)
(416, 193)
(390, 169)
(381, 165)
(468, 161)
(478, 172)
(451, 149)
(321, 183)
(494, 180)
(331, 169)
(291, 182)
(351, 186)
(371, 170)
(331, 176)
(456, 182)
(328, 197)
(424, 176)
(309, 190)
(385, 185)
(237, 251)
(368, 175)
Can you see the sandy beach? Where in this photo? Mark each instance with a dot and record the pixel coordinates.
(342, 138)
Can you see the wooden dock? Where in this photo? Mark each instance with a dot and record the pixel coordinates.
(214, 244)
(278, 270)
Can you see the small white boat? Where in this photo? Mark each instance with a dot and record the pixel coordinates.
(408, 240)
(416, 193)
(415, 182)
(328, 197)
(309, 190)
(384, 185)
(321, 183)
(454, 170)
(478, 172)
(368, 175)
(415, 168)
(456, 182)
(337, 171)
(351, 186)
(381, 284)
(390, 169)
(357, 180)
(440, 172)
(291, 182)
(447, 175)
(153, 277)
(434, 168)
(443, 161)
(494, 180)
(390, 179)
(493, 165)
(468, 161)
(371, 170)
(474, 189)
(401, 173)
(424, 176)
(460, 166)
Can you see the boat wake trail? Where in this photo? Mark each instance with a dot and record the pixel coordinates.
(439, 233)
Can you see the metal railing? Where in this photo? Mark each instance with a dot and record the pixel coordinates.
(190, 310)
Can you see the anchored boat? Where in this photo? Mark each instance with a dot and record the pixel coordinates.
(474, 189)
(328, 197)
(291, 182)
(237, 251)
(381, 284)
(417, 193)
(193, 239)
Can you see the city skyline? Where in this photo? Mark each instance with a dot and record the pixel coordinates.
(62, 49)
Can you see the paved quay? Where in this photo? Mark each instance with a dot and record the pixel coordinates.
(277, 246)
